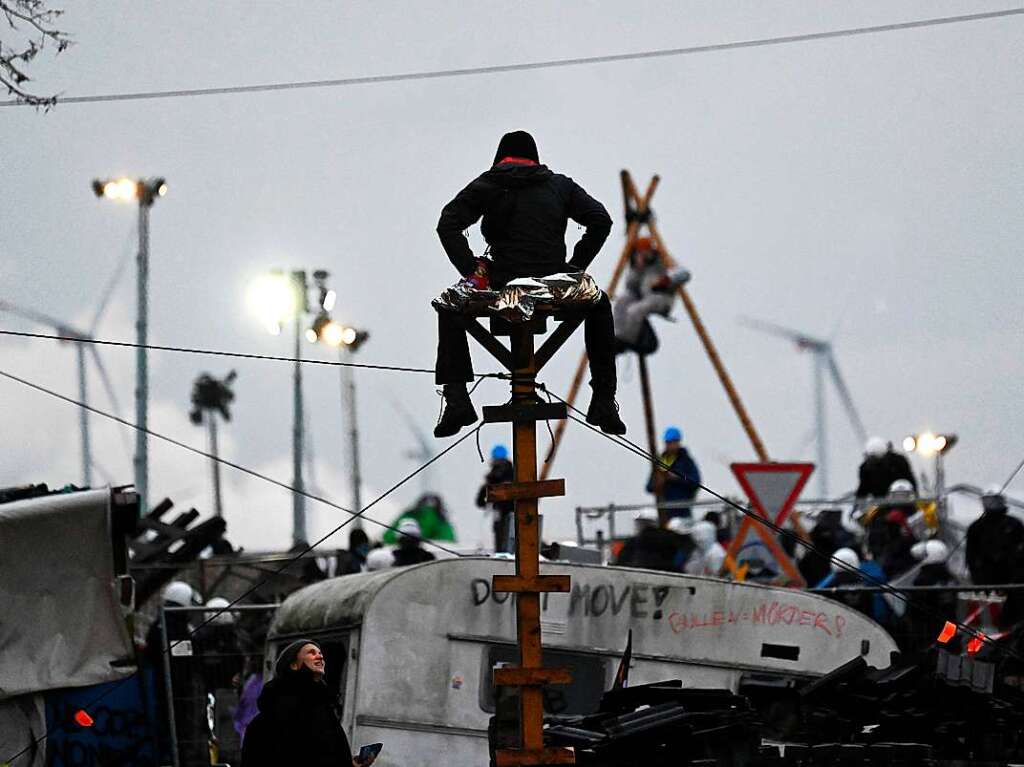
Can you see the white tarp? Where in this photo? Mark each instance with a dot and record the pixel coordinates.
(60, 620)
(23, 731)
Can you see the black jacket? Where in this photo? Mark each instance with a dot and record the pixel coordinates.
(501, 471)
(525, 210)
(412, 555)
(878, 474)
(655, 549)
(995, 544)
(297, 725)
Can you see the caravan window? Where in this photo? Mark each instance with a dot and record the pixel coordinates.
(335, 652)
(589, 679)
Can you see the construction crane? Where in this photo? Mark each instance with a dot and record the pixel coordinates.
(824, 361)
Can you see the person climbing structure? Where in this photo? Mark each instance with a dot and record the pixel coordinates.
(650, 289)
(501, 471)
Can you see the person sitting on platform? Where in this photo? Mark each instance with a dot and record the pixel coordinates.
(525, 209)
(680, 481)
(650, 289)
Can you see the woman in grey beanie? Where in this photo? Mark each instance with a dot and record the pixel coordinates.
(298, 723)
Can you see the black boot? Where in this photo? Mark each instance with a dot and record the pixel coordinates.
(458, 411)
(604, 413)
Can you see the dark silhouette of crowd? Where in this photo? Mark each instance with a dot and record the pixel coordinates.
(894, 539)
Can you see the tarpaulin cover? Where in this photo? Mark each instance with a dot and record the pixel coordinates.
(23, 729)
(60, 620)
(520, 298)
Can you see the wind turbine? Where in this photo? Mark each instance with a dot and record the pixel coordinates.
(824, 365)
(82, 340)
(423, 451)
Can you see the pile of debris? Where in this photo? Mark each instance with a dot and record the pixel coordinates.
(661, 724)
(942, 706)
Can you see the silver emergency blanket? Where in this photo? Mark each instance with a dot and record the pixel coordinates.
(520, 298)
(60, 619)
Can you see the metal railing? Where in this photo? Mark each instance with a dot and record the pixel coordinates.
(915, 623)
(205, 674)
(598, 525)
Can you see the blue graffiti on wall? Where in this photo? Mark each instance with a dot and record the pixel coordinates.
(122, 730)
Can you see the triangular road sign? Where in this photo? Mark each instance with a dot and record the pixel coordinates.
(773, 489)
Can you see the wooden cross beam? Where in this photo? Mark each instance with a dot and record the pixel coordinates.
(523, 410)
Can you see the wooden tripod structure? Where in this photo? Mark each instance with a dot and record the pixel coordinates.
(639, 215)
(523, 410)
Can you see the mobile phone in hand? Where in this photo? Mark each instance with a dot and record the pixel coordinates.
(369, 753)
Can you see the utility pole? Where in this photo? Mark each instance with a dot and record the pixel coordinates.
(347, 340)
(145, 192)
(218, 501)
(279, 298)
(524, 361)
(298, 426)
(211, 396)
(348, 403)
(141, 460)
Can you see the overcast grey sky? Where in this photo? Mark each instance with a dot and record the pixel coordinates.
(869, 187)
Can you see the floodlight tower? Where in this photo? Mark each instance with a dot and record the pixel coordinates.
(347, 341)
(211, 396)
(145, 191)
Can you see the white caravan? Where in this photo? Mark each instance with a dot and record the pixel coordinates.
(410, 650)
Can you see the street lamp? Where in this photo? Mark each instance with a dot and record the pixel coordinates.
(211, 396)
(145, 191)
(277, 298)
(928, 445)
(347, 341)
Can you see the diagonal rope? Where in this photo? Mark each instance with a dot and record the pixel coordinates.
(1010, 478)
(212, 614)
(232, 464)
(758, 519)
(216, 352)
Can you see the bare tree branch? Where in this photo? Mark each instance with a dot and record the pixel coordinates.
(32, 24)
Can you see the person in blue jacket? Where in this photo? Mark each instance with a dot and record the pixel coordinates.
(676, 477)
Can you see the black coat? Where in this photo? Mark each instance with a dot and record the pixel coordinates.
(859, 600)
(995, 544)
(297, 725)
(828, 536)
(501, 471)
(411, 555)
(525, 210)
(655, 549)
(878, 474)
